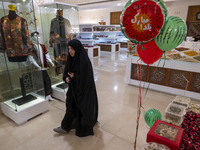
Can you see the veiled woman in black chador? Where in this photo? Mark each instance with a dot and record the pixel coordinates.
(81, 102)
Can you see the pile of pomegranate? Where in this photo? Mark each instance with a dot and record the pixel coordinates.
(191, 136)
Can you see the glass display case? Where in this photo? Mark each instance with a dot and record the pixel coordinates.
(60, 24)
(21, 86)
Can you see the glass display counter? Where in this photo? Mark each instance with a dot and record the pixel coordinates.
(60, 24)
(20, 85)
(177, 73)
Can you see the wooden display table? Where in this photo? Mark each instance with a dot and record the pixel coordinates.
(93, 51)
(108, 47)
(172, 78)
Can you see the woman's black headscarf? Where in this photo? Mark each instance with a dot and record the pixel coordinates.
(78, 47)
(81, 58)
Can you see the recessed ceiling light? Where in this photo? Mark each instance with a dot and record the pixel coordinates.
(118, 4)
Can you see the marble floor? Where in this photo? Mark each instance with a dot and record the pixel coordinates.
(117, 115)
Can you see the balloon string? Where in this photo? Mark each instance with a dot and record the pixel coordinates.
(149, 82)
(147, 89)
(139, 74)
(164, 59)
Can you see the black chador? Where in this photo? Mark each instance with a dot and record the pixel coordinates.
(82, 104)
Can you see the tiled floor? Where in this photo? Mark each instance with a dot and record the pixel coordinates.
(117, 115)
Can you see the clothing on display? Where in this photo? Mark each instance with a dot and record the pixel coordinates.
(14, 36)
(59, 37)
(40, 58)
(47, 83)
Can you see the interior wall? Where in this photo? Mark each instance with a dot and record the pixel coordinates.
(96, 15)
(178, 9)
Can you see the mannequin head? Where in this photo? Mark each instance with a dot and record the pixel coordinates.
(35, 36)
(60, 12)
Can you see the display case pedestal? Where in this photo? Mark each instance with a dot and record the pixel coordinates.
(25, 111)
(93, 51)
(109, 47)
(123, 45)
(59, 92)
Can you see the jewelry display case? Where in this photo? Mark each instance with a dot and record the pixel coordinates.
(20, 85)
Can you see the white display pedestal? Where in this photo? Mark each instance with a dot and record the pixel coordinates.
(123, 45)
(21, 114)
(59, 93)
(109, 47)
(93, 51)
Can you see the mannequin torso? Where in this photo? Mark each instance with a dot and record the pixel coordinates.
(41, 52)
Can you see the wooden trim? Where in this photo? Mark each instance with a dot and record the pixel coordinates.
(193, 78)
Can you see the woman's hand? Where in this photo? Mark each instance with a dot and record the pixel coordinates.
(67, 80)
(71, 75)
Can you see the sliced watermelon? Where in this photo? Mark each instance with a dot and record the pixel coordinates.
(142, 20)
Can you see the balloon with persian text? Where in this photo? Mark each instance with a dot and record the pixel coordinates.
(142, 20)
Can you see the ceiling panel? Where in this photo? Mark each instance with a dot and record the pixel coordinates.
(96, 4)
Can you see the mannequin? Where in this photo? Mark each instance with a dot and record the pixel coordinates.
(60, 35)
(39, 60)
(16, 44)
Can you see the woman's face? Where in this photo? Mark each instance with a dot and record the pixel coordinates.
(71, 51)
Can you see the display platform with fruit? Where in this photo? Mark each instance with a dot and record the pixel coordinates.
(191, 136)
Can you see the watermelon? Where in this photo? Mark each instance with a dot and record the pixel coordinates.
(172, 35)
(142, 20)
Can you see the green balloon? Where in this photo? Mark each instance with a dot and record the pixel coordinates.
(151, 116)
(172, 34)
